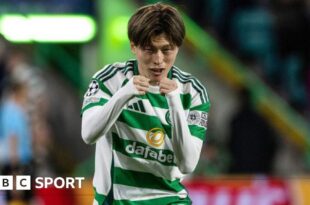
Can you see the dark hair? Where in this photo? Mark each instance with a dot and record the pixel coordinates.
(155, 19)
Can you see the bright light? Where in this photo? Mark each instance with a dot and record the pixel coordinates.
(14, 28)
(47, 28)
(118, 29)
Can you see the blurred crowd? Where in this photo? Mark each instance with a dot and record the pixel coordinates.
(30, 121)
(25, 138)
(272, 39)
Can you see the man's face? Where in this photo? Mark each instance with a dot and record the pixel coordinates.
(155, 60)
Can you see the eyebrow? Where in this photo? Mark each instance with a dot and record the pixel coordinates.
(161, 47)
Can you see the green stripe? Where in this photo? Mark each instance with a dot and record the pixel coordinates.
(198, 131)
(130, 66)
(167, 129)
(145, 180)
(136, 149)
(106, 70)
(125, 82)
(160, 101)
(101, 102)
(100, 198)
(112, 74)
(173, 200)
(127, 70)
(202, 107)
(186, 100)
(135, 68)
(156, 100)
(103, 87)
(142, 121)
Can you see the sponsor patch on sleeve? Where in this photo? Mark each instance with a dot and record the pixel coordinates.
(198, 118)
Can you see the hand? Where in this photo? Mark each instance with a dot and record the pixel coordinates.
(141, 83)
(166, 86)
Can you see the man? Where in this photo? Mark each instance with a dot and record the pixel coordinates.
(147, 117)
(15, 137)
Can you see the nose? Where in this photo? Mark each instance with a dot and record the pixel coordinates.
(158, 58)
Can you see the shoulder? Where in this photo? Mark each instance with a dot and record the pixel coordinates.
(190, 84)
(119, 69)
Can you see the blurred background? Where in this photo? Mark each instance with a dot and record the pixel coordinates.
(252, 55)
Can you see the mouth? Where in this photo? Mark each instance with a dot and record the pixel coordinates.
(157, 71)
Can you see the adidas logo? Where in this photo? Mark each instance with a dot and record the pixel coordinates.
(137, 106)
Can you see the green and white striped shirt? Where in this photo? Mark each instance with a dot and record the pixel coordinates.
(145, 144)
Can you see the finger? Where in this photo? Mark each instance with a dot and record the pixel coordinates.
(141, 83)
(142, 92)
(141, 88)
(167, 81)
(165, 91)
(168, 86)
(140, 77)
(143, 78)
(144, 84)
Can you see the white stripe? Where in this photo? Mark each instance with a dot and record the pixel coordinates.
(149, 166)
(185, 88)
(136, 193)
(194, 80)
(103, 161)
(115, 80)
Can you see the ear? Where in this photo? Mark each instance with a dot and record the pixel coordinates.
(132, 47)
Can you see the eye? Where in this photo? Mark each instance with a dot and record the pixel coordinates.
(149, 50)
(166, 50)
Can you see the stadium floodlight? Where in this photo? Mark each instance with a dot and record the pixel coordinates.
(47, 28)
(118, 29)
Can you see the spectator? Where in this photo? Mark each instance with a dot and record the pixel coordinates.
(15, 136)
(293, 31)
(252, 143)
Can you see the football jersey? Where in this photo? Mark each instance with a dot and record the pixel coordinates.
(136, 157)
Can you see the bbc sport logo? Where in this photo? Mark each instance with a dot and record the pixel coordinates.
(23, 182)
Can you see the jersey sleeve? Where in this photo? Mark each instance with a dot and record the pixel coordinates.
(97, 94)
(197, 120)
(188, 130)
(101, 108)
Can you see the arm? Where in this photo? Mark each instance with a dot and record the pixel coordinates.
(187, 147)
(97, 120)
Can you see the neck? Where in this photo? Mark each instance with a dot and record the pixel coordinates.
(154, 83)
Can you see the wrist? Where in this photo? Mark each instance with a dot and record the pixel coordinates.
(174, 99)
(173, 93)
(130, 89)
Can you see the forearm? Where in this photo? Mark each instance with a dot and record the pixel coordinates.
(186, 147)
(97, 120)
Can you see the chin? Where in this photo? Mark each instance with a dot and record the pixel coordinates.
(158, 78)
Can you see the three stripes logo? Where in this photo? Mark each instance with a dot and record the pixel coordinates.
(137, 106)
